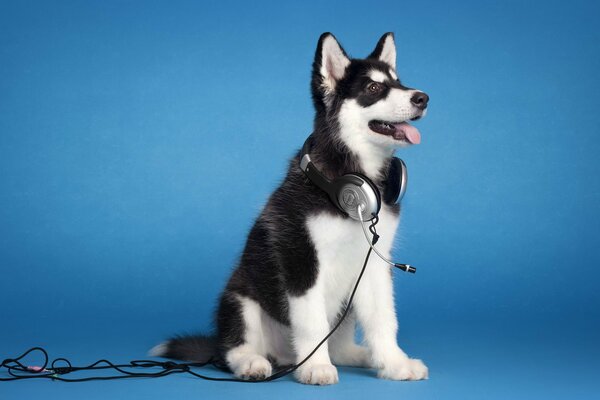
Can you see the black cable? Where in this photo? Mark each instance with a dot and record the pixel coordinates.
(19, 371)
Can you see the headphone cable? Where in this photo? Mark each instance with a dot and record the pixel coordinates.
(403, 267)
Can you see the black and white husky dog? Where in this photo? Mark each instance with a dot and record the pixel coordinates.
(303, 255)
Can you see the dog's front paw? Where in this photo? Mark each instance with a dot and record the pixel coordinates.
(409, 369)
(317, 374)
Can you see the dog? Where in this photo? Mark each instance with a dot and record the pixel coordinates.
(303, 254)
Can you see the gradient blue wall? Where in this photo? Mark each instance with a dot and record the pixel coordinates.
(139, 140)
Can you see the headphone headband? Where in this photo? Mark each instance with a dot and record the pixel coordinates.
(313, 173)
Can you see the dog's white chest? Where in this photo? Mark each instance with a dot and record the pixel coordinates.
(341, 248)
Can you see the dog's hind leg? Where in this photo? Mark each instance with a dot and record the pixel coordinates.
(242, 337)
(343, 349)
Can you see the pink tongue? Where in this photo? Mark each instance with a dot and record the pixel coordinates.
(412, 134)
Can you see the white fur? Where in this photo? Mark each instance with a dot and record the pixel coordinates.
(388, 53)
(341, 246)
(159, 350)
(248, 361)
(343, 349)
(263, 336)
(310, 324)
(377, 76)
(393, 73)
(333, 63)
(278, 339)
(373, 148)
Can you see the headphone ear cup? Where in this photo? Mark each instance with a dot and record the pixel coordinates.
(374, 189)
(354, 189)
(395, 183)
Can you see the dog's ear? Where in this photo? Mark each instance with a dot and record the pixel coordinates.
(385, 50)
(329, 66)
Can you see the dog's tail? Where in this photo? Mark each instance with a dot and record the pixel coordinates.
(194, 348)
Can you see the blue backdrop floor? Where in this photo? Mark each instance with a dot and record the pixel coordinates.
(467, 360)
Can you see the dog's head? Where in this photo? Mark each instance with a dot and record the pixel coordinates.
(365, 97)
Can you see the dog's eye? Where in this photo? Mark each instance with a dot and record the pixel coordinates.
(374, 87)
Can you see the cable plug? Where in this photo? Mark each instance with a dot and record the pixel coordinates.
(35, 368)
(406, 268)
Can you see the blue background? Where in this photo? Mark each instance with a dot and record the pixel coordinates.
(139, 140)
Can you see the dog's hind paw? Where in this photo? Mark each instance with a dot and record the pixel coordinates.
(408, 370)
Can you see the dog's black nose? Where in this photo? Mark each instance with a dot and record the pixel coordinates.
(420, 100)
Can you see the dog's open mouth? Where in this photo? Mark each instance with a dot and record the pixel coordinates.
(398, 130)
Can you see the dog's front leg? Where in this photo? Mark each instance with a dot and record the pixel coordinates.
(375, 310)
(308, 317)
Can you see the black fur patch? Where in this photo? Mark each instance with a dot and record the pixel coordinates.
(195, 348)
(355, 83)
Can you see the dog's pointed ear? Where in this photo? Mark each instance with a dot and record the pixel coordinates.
(329, 66)
(385, 50)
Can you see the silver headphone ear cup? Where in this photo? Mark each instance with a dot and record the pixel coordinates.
(403, 179)
(354, 190)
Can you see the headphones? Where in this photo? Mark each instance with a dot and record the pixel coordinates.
(348, 192)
